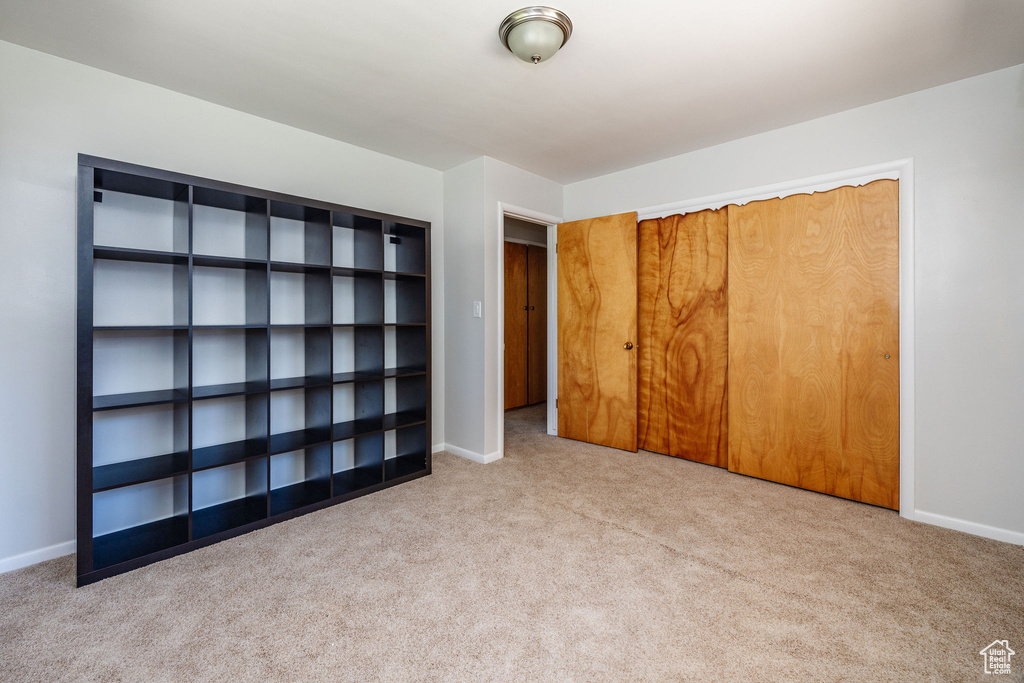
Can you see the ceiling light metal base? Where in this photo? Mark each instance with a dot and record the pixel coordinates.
(535, 13)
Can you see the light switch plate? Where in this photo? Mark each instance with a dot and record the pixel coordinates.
(477, 309)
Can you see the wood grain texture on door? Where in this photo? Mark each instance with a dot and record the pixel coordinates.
(537, 294)
(516, 336)
(684, 336)
(814, 341)
(597, 303)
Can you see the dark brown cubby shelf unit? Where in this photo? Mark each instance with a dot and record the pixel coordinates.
(244, 357)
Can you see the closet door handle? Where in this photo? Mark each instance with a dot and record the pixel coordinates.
(532, 307)
(627, 345)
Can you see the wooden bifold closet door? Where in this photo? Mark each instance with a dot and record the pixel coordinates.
(597, 302)
(516, 327)
(768, 338)
(814, 341)
(526, 326)
(537, 324)
(684, 336)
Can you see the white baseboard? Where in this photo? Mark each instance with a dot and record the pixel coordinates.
(470, 455)
(9, 564)
(437, 448)
(983, 530)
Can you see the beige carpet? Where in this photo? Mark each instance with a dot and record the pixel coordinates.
(563, 561)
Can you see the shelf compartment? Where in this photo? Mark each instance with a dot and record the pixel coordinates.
(139, 328)
(229, 389)
(135, 521)
(138, 471)
(225, 498)
(405, 401)
(404, 372)
(300, 357)
(229, 515)
(410, 452)
(404, 418)
(136, 367)
(358, 299)
(358, 463)
(405, 349)
(285, 383)
(135, 445)
(145, 539)
(296, 496)
(139, 185)
(228, 453)
(405, 248)
(405, 300)
(229, 224)
(132, 293)
(404, 465)
(300, 234)
(300, 438)
(228, 262)
(139, 213)
(229, 362)
(137, 399)
(288, 267)
(229, 429)
(300, 478)
(391, 275)
(357, 407)
(299, 418)
(346, 377)
(300, 298)
(359, 427)
(139, 255)
(353, 272)
(357, 242)
(358, 350)
(228, 296)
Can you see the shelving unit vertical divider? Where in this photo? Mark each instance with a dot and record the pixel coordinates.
(429, 445)
(191, 348)
(83, 342)
(383, 360)
(383, 352)
(330, 350)
(251, 231)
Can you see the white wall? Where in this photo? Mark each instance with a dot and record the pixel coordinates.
(464, 284)
(510, 186)
(967, 141)
(52, 109)
(473, 272)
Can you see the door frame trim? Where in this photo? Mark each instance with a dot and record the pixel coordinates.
(506, 209)
(903, 171)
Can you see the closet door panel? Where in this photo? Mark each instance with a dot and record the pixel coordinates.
(813, 313)
(683, 349)
(537, 280)
(597, 301)
(516, 339)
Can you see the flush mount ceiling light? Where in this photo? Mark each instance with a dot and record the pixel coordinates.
(535, 34)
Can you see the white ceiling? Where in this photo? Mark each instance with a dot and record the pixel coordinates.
(428, 81)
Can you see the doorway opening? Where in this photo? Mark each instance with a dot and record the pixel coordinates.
(525, 314)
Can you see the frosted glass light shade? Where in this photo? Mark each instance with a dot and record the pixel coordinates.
(535, 41)
(535, 34)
